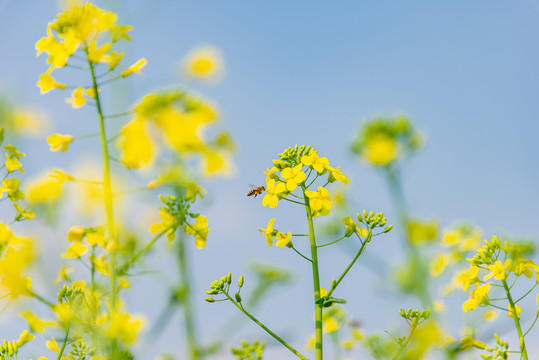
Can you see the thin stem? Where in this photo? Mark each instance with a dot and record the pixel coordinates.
(107, 189)
(316, 177)
(186, 301)
(118, 115)
(40, 298)
(297, 202)
(316, 280)
(517, 321)
(531, 327)
(148, 246)
(85, 136)
(64, 343)
(360, 251)
(109, 80)
(300, 254)
(275, 336)
(333, 242)
(410, 334)
(526, 294)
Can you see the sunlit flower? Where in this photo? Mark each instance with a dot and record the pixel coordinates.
(167, 223)
(77, 98)
(498, 270)
(283, 239)
(466, 277)
(199, 230)
(135, 68)
(313, 160)
(476, 297)
(59, 142)
(293, 176)
(123, 327)
(319, 200)
(273, 190)
(268, 231)
(135, 145)
(336, 174)
(75, 251)
(12, 164)
(510, 313)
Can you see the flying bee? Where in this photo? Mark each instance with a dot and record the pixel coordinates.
(256, 190)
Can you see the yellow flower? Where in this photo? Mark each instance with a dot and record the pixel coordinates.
(59, 142)
(35, 323)
(135, 145)
(61, 176)
(498, 270)
(75, 251)
(422, 231)
(23, 213)
(123, 283)
(283, 239)
(438, 264)
(204, 63)
(124, 328)
(43, 190)
(320, 201)
(268, 231)
(167, 222)
(380, 149)
(95, 54)
(336, 174)
(12, 163)
(77, 98)
(52, 345)
(199, 230)
(476, 297)
(75, 233)
(135, 68)
(24, 338)
(273, 190)
(46, 83)
(317, 163)
(353, 227)
(466, 277)
(517, 308)
(293, 177)
(113, 58)
(11, 186)
(63, 275)
(96, 238)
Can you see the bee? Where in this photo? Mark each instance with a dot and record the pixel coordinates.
(256, 190)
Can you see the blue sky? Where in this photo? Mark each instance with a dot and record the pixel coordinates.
(309, 72)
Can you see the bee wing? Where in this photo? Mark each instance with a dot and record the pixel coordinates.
(251, 186)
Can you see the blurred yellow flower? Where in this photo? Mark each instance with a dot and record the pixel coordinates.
(135, 68)
(498, 270)
(476, 297)
(380, 150)
(124, 328)
(59, 142)
(204, 62)
(46, 83)
(24, 338)
(135, 145)
(168, 222)
(75, 251)
(52, 345)
(77, 98)
(35, 323)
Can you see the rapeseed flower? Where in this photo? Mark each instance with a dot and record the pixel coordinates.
(273, 193)
(199, 230)
(135, 68)
(59, 142)
(204, 63)
(498, 270)
(313, 160)
(77, 98)
(293, 176)
(477, 297)
(320, 201)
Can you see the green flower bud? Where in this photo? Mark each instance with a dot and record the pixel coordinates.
(163, 199)
(229, 278)
(333, 284)
(359, 218)
(238, 297)
(209, 299)
(240, 281)
(365, 215)
(388, 229)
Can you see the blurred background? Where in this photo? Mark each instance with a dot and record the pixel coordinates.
(304, 72)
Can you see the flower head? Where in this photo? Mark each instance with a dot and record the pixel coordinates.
(59, 142)
(199, 230)
(320, 201)
(293, 176)
(273, 191)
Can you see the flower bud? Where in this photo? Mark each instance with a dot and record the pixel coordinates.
(240, 281)
(388, 229)
(238, 297)
(229, 278)
(209, 299)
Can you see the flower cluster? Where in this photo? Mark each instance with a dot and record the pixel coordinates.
(181, 119)
(383, 140)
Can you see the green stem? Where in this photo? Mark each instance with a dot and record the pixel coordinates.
(40, 298)
(360, 251)
(107, 189)
(65, 342)
(316, 280)
(275, 336)
(403, 346)
(122, 269)
(517, 321)
(186, 301)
